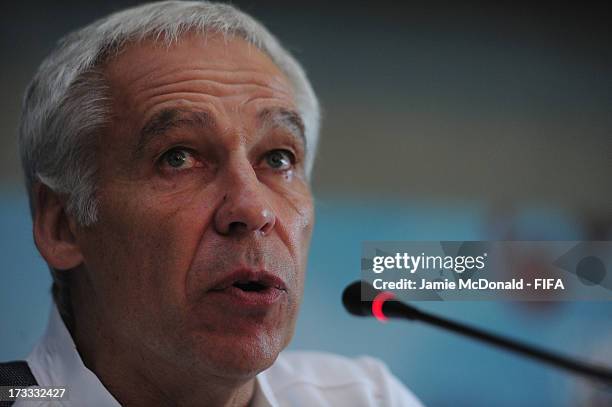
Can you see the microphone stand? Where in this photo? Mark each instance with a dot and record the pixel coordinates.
(393, 308)
(595, 372)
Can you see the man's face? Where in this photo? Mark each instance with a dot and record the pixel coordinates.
(205, 214)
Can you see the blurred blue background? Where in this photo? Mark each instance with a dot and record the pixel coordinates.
(441, 122)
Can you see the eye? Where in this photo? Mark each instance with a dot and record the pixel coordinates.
(280, 159)
(178, 159)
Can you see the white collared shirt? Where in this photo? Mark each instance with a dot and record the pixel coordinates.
(295, 378)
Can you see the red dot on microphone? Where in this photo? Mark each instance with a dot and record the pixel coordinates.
(377, 305)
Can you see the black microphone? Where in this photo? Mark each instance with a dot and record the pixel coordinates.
(351, 298)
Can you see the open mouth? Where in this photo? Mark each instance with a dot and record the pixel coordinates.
(251, 282)
(250, 286)
(252, 290)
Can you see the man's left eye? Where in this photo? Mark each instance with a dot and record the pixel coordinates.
(280, 159)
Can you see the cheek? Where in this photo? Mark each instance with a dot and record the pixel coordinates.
(147, 245)
(296, 220)
(304, 221)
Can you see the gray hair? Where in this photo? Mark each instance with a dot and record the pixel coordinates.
(66, 104)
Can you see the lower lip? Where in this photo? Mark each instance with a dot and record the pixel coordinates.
(248, 299)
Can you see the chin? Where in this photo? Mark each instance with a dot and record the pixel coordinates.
(239, 355)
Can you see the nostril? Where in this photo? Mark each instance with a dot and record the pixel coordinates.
(244, 212)
(237, 228)
(268, 221)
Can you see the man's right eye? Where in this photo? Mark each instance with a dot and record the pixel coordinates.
(178, 158)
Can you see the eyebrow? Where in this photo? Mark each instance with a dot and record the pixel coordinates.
(167, 119)
(285, 118)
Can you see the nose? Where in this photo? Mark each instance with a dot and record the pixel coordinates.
(244, 208)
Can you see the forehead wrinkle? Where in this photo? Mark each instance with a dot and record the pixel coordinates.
(220, 75)
(205, 87)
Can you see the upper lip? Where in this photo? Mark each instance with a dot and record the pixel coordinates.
(262, 277)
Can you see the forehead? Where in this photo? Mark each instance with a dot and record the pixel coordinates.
(149, 73)
(214, 51)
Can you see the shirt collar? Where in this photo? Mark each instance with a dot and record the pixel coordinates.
(55, 361)
(263, 397)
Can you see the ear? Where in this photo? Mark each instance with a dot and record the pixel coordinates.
(54, 230)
